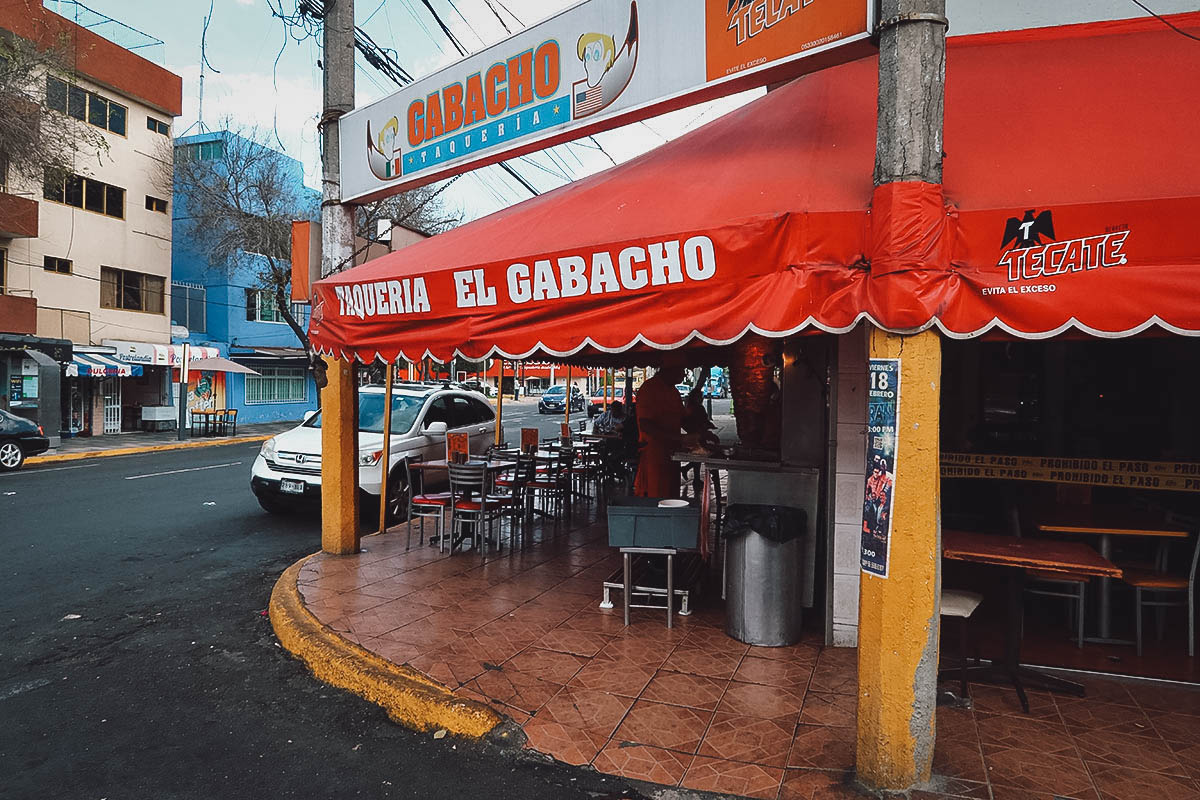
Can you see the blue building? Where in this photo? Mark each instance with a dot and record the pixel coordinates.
(224, 306)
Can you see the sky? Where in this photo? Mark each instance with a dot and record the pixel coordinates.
(261, 77)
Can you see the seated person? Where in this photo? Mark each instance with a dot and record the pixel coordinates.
(611, 421)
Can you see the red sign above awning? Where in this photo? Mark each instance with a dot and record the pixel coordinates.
(1071, 190)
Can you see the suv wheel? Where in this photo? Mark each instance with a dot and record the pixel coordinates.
(397, 500)
(11, 456)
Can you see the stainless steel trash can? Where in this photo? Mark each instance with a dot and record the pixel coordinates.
(763, 574)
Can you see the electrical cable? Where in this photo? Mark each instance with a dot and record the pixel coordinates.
(1164, 20)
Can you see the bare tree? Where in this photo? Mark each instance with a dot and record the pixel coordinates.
(238, 201)
(38, 142)
(238, 198)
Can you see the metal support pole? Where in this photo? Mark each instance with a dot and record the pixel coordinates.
(384, 460)
(500, 406)
(567, 413)
(182, 432)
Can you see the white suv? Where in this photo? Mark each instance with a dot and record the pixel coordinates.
(288, 466)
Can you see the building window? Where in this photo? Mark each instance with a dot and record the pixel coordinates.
(203, 151)
(154, 204)
(60, 265)
(158, 126)
(188, 306)
(85, 106)
(3, 270)
(3, 173)
(261, 306)
(131, 291)
(277, 385)
(87, 193)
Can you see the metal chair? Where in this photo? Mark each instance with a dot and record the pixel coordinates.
(1042, 583)
(229, 423)
(553, 485)
(1160, 584)
(471, 503)
(424, 505)
(517, 500)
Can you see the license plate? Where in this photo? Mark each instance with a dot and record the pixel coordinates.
(288, 486)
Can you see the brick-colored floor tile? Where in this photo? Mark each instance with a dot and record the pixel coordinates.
(732, 777)
(1034, 771)
(750, 739)
(617, 677)
(583, 708)
(1136, 752)
(756, 700)
(580, 643)
(818, 784)
(1029, 734)
(774, 672)
(680, 689)
(829, 709)
(642, 763)
(570, 745)
(823, 747)
(549, 665)
(1125, 783)
(661, 725)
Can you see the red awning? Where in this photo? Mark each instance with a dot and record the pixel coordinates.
(1071, 194)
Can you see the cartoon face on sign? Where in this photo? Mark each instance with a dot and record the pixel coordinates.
(596, 51)
(383, 155)
(608, 68)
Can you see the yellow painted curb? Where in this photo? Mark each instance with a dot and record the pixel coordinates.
(150, 448)
(410, 698)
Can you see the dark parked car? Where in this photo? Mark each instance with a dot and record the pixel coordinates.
(19, 438)
(553, 399)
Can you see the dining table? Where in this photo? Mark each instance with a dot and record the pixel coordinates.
(1015, 555)
(1105, 522)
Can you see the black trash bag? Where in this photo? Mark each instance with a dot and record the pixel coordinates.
(776, 523)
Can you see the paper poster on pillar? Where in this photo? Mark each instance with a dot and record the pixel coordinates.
(883, 406)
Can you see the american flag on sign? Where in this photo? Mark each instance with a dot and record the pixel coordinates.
(587, 101)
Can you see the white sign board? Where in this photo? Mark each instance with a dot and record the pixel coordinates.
(594, 66)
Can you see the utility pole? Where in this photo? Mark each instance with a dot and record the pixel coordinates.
(899, 615)
(339, 398)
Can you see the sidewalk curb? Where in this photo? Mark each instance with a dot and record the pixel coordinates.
(408, 697)
(150, 448)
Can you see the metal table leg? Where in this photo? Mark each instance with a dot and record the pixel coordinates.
(628, 586)
(670, 589)
(1104, 613)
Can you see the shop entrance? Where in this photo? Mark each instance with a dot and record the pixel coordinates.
(112, 405)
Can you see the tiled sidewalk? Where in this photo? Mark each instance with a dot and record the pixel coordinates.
(692, 707)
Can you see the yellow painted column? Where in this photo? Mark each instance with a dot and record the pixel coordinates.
(898, 620)
(339, 459)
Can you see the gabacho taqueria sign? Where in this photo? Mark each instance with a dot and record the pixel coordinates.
(594, 66)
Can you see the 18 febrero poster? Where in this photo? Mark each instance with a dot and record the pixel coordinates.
(883, 402)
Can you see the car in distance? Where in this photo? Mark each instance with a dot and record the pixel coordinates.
(288, 467)
(554, 398)
(19, 439)
(596, 401)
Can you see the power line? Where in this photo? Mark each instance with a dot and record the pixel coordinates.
(1164, 20)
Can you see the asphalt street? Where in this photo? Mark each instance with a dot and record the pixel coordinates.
(136, 659)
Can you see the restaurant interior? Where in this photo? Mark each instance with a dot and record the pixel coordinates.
(1086, 414)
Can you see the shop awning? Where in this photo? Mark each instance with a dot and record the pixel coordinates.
(260, 353)
(1071, 190)
(94, 365)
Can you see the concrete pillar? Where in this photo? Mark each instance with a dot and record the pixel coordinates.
(899, 615)
(339, 459)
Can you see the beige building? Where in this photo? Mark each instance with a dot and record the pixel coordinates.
(88, 259)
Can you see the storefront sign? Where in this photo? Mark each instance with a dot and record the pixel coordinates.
(16, 387)
(157, 355)
(883, 408)
(594, 66)
(1176, 476)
